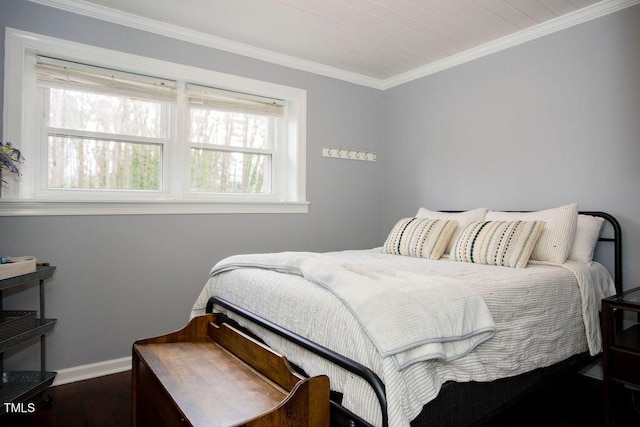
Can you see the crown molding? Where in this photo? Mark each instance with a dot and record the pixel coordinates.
(180, 33)
(115, 16)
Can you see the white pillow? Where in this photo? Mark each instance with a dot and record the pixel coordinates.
(462, 218)
(587, 235)
(558, 233)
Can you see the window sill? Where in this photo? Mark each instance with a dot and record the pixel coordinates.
(171, 207)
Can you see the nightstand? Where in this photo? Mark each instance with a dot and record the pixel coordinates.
(621, 347)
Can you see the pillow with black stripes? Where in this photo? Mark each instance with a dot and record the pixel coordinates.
(420, 237)
(558, 233)
(502, 243)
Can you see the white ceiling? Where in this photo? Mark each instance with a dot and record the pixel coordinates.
(375, 42)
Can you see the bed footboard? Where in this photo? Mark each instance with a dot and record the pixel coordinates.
(350, 365)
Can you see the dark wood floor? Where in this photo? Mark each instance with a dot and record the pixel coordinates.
(105, 401)
(99, 402)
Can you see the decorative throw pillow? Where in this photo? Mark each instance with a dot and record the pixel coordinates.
(587, 235)
(462, 218)
(559, 230)
(420, 237)
(504, 243)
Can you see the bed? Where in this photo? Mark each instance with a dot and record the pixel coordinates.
(501, 325)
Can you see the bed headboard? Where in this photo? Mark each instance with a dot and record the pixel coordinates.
(611, 234)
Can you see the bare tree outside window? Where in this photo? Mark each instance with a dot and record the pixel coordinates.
(232, 153)
(103, 142)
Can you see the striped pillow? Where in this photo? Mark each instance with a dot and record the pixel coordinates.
(420, 237)
(463, 219)
(504, 243)
(558, 234)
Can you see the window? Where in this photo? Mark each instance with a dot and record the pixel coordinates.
(126, 138)
(103, 130)
(232, 140)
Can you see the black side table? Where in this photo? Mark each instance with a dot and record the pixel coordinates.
(621, 347)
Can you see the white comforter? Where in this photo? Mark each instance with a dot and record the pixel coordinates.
(439, 317)
(538, 313)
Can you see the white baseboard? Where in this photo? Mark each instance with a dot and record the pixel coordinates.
(92, 370)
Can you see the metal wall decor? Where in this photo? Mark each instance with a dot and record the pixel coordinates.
(349, 154)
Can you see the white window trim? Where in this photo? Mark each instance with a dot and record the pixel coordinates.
(22, 199)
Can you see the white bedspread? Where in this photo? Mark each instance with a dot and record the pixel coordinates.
(409, 317)
(538, 313)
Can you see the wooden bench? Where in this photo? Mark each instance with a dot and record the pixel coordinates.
(209, 375)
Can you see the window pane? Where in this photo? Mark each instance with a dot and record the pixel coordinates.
(95, 112)
(229, 172)
(227, 128)
(103, 165)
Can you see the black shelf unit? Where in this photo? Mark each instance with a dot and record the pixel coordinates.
(19, 386)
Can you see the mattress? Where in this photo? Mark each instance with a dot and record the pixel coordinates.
(543, 314)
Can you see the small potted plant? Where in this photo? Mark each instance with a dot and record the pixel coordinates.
(10, 158)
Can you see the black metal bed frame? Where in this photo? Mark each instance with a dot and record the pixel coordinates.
(364, 372)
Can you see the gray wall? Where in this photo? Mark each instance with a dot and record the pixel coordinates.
(552, 121)
(121, 278)
(549, 122)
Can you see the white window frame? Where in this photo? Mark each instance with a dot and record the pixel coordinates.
(26, 196)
